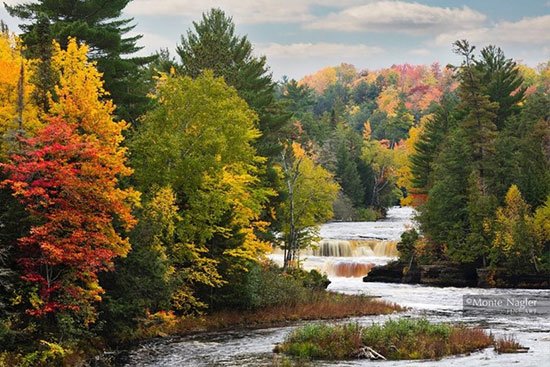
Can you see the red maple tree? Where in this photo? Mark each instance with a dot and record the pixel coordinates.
(71, 191)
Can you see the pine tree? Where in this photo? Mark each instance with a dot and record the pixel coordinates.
(430, 142)
(213, 45)
(98, 24)
(502, 81)
(480, 113)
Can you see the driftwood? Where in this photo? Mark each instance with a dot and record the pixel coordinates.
(368, 353)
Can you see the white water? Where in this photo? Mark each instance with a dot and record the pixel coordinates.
(254, 348)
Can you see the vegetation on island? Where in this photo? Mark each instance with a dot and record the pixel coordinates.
(393, 340)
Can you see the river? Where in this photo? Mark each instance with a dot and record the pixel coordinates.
(346, 251)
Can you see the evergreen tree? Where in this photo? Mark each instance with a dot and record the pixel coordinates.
(213, 45)
(429, 145)
(502, 81)
(98, 24)
(444, 217)
(480, 113)
(347, 172)
(522, 155)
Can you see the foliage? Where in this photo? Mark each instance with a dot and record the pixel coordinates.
(198, 140)
(310, 192)
(67, 179)
(515, 245)
(58, 171)
(99, 25)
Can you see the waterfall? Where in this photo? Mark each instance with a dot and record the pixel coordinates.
(354, 248)
(351, 249)
(347, 269)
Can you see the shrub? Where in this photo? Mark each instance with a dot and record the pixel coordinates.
(266, 285)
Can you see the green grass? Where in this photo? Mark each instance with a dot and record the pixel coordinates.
(400, 339)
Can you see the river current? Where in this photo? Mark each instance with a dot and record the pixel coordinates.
(350, 249)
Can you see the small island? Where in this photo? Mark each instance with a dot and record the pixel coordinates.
(401, 339)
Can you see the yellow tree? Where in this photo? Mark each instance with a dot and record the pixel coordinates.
(381, 159)
(515, 244)
(199, 141)
(310, 191)
(18, 113)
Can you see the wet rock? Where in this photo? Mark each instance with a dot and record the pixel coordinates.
(389, 273)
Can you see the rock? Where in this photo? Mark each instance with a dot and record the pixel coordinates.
(448, 275)
(389, 273)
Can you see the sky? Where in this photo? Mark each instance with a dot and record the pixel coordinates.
(299, 37)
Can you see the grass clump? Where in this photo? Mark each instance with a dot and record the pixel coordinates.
(508, 344)
(401, 339)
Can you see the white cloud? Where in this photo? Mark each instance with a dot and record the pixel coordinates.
(420, 52)
(534, 31)
(312, 50)
(298, 59)
(151, 42)
(399, 16)
(243, 11)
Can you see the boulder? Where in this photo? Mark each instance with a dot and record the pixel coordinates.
(389, 273)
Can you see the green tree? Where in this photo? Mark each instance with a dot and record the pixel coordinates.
(444, 217)
(347, 171)
(310, 193)
(199, 141)
(98, 23)
(480, 113)
(502, 81)
(213, 45)
(157, 272)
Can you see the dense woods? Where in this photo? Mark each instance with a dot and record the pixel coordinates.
(118, 209)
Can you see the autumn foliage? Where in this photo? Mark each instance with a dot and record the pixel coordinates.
(72, 197)
(67, 179)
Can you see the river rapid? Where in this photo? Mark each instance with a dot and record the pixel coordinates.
(346, 252)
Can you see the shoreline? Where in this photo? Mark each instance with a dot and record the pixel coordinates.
(453, 275)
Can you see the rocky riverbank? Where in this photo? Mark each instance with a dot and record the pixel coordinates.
(454, 275)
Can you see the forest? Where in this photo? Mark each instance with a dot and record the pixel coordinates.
(137, 192)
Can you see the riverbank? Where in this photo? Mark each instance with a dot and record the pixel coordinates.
(314, 304)
(322, 305)
(452, 275)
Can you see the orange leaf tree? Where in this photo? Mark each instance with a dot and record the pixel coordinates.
(67, 179)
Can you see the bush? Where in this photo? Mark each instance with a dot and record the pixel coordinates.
(266, 285)
(367, 215)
